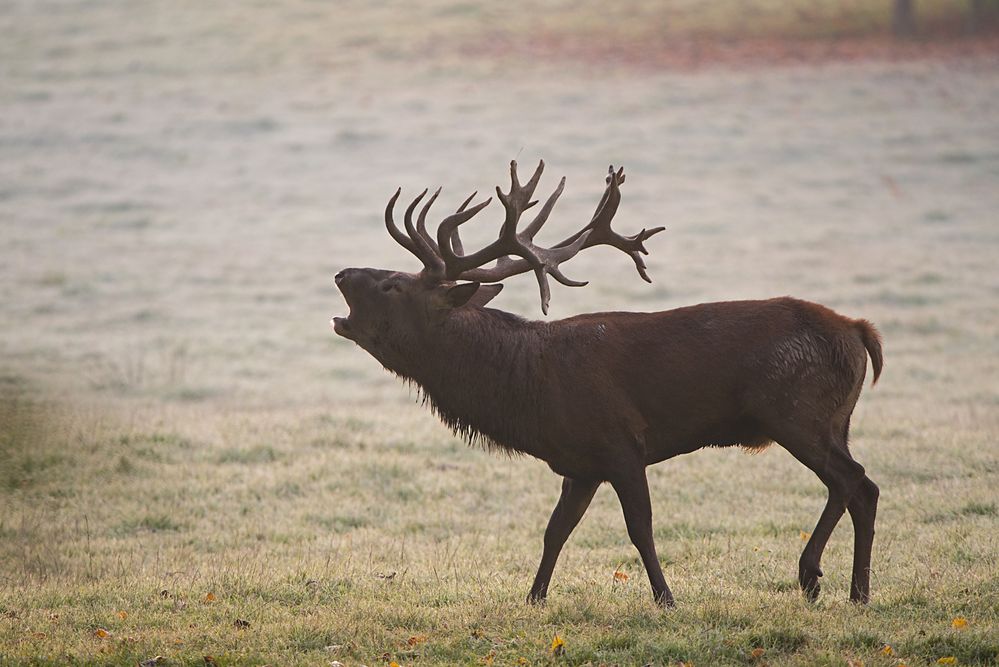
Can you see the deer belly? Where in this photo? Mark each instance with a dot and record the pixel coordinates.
(666, 442)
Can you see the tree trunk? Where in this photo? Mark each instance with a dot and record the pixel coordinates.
(903, 19)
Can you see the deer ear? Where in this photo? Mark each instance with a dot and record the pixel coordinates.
(485, 294)
(474, 294)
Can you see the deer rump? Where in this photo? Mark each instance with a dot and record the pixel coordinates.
(600, 396)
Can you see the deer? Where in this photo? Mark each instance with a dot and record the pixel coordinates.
(599, 397)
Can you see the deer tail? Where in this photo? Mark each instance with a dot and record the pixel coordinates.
(872, 341)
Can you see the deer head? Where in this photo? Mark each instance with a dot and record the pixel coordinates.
(391, 312)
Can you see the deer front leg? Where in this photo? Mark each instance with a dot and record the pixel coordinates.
(633, 491)
(572, 504)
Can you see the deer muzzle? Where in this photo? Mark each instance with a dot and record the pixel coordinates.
(340, 325)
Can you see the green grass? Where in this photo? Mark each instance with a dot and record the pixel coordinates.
(420, 551)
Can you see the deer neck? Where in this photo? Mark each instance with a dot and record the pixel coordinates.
(483, 377)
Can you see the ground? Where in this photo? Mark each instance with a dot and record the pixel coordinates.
(192, 465)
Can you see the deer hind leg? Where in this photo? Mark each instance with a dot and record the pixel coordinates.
(572, 504)
(633, 492)
(809, 569)
(863, 509)
(830, 460)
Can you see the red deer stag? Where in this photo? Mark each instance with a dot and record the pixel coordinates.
(599, 397)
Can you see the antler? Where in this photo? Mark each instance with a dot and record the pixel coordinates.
(600, 232)
(444, 259)
(543, 261)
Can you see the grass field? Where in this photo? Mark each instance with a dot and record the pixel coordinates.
(192, 465)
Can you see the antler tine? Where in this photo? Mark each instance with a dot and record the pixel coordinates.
(518, 199)
(600, 226)
(393, 230)
(542, 217)
(421, 225)
(549, 265)
(466, 202)
(454, 264)
(455, 237)
(431, 261)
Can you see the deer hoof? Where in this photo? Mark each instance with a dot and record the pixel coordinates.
(665, 600)
(811, 589)
(860, 597)
(809, 581)
(536, 599)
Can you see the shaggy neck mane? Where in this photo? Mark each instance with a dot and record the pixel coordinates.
(481, 376)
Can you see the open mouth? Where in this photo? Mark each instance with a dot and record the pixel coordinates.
(340, 326)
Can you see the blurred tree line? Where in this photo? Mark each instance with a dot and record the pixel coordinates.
(981, 16)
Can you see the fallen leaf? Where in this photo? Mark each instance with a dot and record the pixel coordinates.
(210, 660)
(101, 633)
(522, 661)
(209, 597)
(240, 623)
(123, 615)
(948, 660)
(757, 653)
(558, 646)
(152, 661)
(805, 535)
(887, 650)
(959, 623)
(416, 639)
(892, 185)
(620, 576)
(393, 664)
